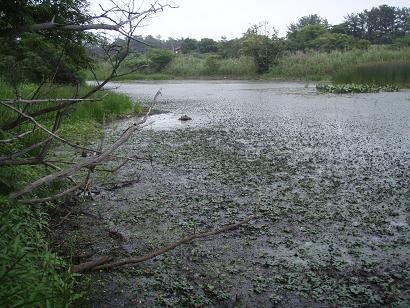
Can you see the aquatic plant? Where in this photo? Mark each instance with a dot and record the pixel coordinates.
(354, 88)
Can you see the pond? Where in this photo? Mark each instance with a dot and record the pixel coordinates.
(330, 175)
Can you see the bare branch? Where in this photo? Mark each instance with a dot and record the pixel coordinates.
(54, 197)
(15, 138)
(92, 161)
(114, 25)
(186, 240)
(51, 100)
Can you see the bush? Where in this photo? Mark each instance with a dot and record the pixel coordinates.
(30, 275)
(158, 59)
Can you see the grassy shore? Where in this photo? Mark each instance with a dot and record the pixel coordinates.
(30, 274)
(319, 66)
(378, 64)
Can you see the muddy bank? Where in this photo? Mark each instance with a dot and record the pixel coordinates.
(330, 174)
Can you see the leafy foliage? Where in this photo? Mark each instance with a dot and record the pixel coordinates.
(30, 275)
(380, 25)
(263, 49)
(159, 58)
(33, 57)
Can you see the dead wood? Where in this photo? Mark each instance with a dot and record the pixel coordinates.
(83, 267)
(114, 185)
(54, 197)
(89, 162)
(186, 240)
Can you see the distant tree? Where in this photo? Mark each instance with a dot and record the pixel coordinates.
(341, 28)
(337, 41)
(159, 58)
(229, 48)
(207, 45)
(305, 37)
(304, 21)
(189, 45)
(263, 49)
(380, 25)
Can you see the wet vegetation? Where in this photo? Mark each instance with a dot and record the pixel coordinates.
(397, 73)
(30, 273)
(327, 175)
(334, 227)
(361, 50)
(354, 88)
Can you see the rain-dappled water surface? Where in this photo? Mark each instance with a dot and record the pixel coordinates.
(329, 173)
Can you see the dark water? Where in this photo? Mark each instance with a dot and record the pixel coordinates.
(330, 173)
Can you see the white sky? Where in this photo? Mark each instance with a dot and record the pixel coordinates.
(215, 18)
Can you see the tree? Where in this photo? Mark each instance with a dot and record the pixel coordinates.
(33, 56)
(229, 49)
(305, 37)
(159, 58)
(57, 26)
(207, 45)
(380, 25)
(189, 45)
(257, 44)
(310, 20)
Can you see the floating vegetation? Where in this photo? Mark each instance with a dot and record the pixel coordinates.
(354, 88)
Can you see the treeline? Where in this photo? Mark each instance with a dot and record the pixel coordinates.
(379, 25)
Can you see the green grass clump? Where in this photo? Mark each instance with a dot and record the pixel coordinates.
(397, 73)
(30, 274)
(200, 66)
(189, 65)
(354, 88)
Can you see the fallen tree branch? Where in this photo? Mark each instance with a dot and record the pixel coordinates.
(82, 267)
(186, 240)
(92, 161)
(51, 100)
(15, 138)
(59, 195)
(24, 151)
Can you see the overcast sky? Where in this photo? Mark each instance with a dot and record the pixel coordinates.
(215, 18)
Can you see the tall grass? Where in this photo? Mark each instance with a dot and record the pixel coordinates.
(190, 65)
(397, 73)
(199, 65)
(314, 65)
(30, 274)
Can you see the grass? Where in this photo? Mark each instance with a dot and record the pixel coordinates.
(201, 66)
(194, 65)
(397, 73)
(377, 65)
(316, 66)
(30, 274)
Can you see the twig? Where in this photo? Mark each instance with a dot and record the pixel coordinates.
(186, 240)
(59, 195)
(92, 161)
(50, 100)
(82, 267)
(11, 140)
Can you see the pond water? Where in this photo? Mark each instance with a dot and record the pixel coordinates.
(329, 173)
